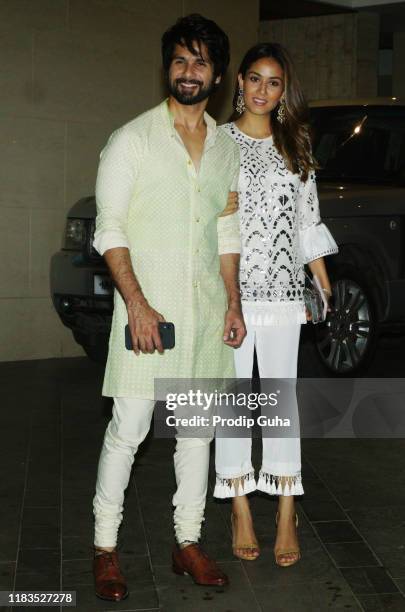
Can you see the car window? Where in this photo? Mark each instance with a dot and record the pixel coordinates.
(360, 143)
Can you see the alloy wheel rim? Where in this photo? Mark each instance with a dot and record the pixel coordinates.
(344, 337)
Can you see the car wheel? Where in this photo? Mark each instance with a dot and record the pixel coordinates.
(95, 348)
(346, 342)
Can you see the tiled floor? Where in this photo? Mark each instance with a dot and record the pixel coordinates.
(352, 517)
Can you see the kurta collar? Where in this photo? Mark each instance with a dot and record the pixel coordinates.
(169, 121)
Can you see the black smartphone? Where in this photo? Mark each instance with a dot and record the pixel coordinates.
(166, 331)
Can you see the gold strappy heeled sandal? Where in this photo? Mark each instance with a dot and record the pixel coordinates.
(280, 553)
(246, 555)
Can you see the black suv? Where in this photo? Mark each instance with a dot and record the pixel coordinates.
(360, 147)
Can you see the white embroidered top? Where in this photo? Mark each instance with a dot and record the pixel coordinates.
(281, 230)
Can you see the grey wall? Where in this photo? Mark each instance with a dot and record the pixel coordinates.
(71, 71)
(336, 55)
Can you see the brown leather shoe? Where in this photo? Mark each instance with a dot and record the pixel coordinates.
(110, 583)
(194, 561)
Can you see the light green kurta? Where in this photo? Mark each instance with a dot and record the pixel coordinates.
(150, 199)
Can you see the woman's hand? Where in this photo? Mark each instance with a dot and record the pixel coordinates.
(232, 204)
(329, 298)
(328, 295)
(318, 268)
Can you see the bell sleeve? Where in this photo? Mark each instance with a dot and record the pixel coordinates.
(114, 189)
(228, 227)
(315, 240)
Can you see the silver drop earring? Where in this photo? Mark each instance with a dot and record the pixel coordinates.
(281, 111)
(240, 103)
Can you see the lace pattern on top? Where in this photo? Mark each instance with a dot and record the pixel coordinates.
(270, 268)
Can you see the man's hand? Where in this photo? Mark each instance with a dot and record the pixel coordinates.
(234, 330)
(143, 324)
(232, 204)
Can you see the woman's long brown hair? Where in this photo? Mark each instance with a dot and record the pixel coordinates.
(291, 138)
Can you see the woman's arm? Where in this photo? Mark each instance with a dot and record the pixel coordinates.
(318, 268)
(232, 204)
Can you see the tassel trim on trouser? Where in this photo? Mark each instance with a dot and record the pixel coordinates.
(233, 487)
(271, 484)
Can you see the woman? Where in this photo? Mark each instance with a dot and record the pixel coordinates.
(281, 231)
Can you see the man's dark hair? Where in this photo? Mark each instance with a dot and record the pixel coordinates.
(196, 28)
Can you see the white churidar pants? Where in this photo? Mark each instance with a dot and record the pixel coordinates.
(277, 355)
(128, 427)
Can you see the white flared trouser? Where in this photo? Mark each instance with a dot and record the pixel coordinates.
(277, 355)
(128, 427)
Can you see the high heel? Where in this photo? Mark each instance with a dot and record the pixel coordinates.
(245, 556)
(279, 553)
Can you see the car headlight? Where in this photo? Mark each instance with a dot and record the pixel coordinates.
(75, 234)
(92, 229)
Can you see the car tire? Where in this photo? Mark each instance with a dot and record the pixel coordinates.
(346, 342)
(96, 349)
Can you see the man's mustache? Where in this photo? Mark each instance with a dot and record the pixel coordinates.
(188, 82)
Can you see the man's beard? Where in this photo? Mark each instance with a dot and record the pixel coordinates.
(189, 98)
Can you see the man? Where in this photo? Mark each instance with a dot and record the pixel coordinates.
(162, 185)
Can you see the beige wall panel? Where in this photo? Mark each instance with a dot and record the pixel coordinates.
(309, 78)
(15, 70)
(335, 29)
(335, 81)
(295, 40)
(238, 19)
(84, 144)
(367, 36)
(78, 81)
(348, 79)
(271, 31)
(164, 11)
(367, 54)
(46, 233)
(310, 41)
(324, 80)
(323, 42)
(349, 36)
(14, 253)
(39, 14)
(33, 330)
(366, 80)
(32, 167)
(337, 55)
(107, 24)
(331, 80)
